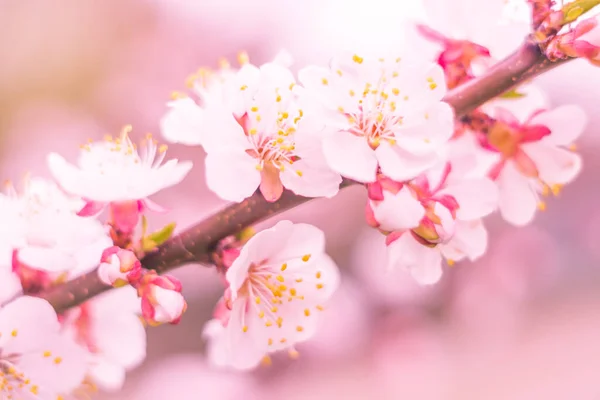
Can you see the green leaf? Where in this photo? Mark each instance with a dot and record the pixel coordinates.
(576, 9)
(512, 94)
(157, 238)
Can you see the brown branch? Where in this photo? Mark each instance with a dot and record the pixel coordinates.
(196, 243)
(522, 65)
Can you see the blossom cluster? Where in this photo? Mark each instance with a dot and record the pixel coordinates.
(430, 177)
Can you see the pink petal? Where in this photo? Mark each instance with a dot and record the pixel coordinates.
(91, 208)
(152, 206)
(270, 184)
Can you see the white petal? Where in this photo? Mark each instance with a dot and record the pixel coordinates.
(46, 259)
(565, 122)
(62, 371)
(66, 174)
(312, 77)
(316, 181)
(518, 200)
(222, 132)
(554, 164)
(108, 376)
(232, 176)
(351, 156)
(121, 338)
(234, 347)
(310, 176)
(10, 285)
(470, 240)
(283, 58)
(421, 85)
(398, 211)
(400, 165)
(427, 131)
(423, 263)
(183, 123)
(297, 241)
(25, 322)
(476, 197)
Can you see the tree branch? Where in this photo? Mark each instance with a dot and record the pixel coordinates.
(196, 243)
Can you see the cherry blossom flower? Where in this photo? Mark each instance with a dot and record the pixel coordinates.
(47, 235)
(162, 301)
(119, 267)
(35, 360)
(185, 121)
(114, 172)
(533, 157)
(110, 331)
(267, 146)
(277, 288)
(378, 113)
(437, 215)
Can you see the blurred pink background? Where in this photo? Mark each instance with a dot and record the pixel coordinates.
(522, 323)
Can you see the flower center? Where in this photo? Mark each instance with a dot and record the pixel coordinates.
(437, 226)
(273, 149)
(504, 139)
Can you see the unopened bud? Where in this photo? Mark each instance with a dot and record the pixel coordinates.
(119, 267)
(162, 301)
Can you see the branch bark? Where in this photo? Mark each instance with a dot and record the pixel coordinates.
(196, 243)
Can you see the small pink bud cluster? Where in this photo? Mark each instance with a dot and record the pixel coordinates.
(162, 301)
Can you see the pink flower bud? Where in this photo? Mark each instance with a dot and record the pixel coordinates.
(582, 41)
(162, 301)
(119, 267)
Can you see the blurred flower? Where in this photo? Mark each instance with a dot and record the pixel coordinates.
(36, 360)
(277, 287)
(347, 311)
(385, 287)
(188, 375)
(531, 158)
(119, 267)
(378, 112)
(109, 329)
(47, 235)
